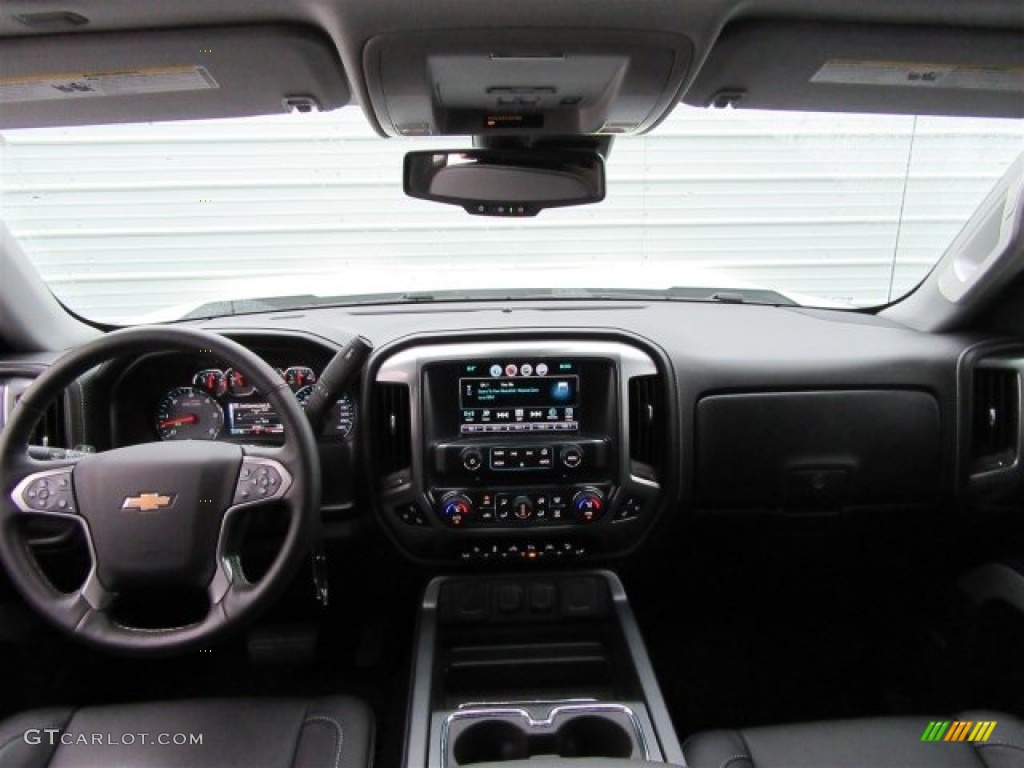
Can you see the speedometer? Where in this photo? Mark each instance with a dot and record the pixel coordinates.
(186, 413)
(340, 419)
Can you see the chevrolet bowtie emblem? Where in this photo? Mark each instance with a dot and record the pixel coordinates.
(147, 502)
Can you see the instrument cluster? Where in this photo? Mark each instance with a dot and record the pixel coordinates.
(223, 403)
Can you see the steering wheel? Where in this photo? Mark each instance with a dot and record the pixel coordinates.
(158, 514)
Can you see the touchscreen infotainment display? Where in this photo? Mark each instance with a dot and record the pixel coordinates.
(519, 396)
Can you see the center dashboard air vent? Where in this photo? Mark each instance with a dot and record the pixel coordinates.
(995, 418)
(392, 428)
(646, 426)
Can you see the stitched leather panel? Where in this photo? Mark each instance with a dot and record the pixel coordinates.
(868, 743)
(18, 731)
(271, 733)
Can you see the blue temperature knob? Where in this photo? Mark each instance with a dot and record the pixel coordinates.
(588, 505)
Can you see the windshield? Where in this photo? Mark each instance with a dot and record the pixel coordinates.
(134, 223)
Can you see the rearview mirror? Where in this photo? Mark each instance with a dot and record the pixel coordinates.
(499, 182)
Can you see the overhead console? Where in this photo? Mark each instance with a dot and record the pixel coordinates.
(521, 450)
(523, 81)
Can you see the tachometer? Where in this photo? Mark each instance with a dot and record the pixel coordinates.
(340, 418)
(186, 413)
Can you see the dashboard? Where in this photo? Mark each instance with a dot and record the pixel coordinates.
(573, 431)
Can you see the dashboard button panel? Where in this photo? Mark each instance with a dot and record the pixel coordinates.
(516, 507)
(529, 551)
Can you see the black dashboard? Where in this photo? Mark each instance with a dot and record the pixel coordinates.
(536, 431)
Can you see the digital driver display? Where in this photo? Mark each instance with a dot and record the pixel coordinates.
(519, 396)
(249, 419)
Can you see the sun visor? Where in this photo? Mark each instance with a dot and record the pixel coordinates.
(537, 81)
(864, 68)
(84, 79)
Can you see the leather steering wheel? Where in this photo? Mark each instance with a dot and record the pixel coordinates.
(158, 514)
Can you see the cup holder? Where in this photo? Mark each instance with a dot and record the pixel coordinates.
(593, 736)
(490, 741)
(484, 736)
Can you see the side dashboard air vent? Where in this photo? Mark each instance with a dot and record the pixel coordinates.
(647, 424)
(392, 428)
(52, 429)
(995, 418)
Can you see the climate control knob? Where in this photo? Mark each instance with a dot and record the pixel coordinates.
(571, 456)
(472, 459)
(522, 507)
(588, 505)
(456, 508)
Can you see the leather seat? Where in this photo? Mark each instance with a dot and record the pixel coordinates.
(334, 732)
(893, 742)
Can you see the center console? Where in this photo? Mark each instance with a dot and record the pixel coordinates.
(525, 451)
(529, 666)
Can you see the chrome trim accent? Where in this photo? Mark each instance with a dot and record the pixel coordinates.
(228, 571)
(524, 702)
(553, 714)
(149, 501)
(92, 589)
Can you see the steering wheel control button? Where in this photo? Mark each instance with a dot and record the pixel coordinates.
(49, 492)
(259, 480)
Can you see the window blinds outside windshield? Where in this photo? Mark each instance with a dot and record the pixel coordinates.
(123, 220)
